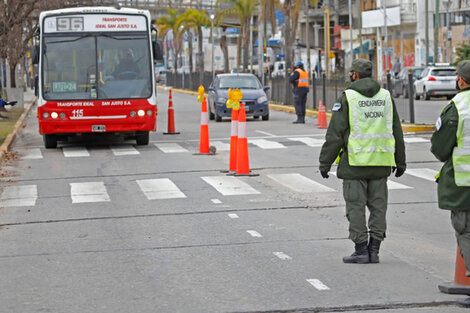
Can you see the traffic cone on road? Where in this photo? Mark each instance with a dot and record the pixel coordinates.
(233, 141)
(171, 118)
(461, 285)
(320, 103)
(323, 124)
(243, 164)
(204, 135)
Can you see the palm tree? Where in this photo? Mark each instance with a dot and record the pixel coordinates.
(195, 20)
(243, 10)
(166, 25)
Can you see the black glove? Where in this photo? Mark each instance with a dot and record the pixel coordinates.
(324, 174)
(399, 172)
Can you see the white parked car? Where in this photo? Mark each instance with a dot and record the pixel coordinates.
(436, 81)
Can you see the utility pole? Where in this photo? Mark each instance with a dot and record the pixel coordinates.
(327, 40)
(359, 7)
(350, 32)
(260, 49)
(307, 34)
(436, 31)
(426, 24)
(386, 35)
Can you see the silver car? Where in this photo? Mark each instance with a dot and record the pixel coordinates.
(436, 81)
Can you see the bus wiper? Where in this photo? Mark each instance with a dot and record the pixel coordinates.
(70, 40)
(121, 37)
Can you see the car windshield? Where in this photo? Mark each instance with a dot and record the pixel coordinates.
(240, 82)
(443, 72)
(96, 67)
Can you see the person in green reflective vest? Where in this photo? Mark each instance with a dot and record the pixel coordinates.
(365, 133)
(450, 143)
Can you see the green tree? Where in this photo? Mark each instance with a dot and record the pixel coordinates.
(462, 53)
(167, 25)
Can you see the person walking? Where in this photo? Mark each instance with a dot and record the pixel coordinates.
(365, 132)
(450, 143)
(299, 80)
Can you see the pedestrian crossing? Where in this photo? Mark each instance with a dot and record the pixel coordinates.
(174, 147)
(166, 189)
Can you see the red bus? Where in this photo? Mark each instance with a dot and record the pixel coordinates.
(96, 73)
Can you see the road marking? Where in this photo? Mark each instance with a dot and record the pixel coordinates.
(25, 195)
(230, 186)
(216, 201)
(32, 154)
(266, 144)
(233, 215)
(415, 140)
(282, 255)
(254, 233)
(75, 152)
(391, 185)
(88, 192)
(266, 133)
(311, 142)
(170, 147)
(424, 173)
(160, 188)
(220, 146)
(124, 150)
(318, 284)
(299, 183)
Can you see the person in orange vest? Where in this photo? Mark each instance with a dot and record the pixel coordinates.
(299, 80)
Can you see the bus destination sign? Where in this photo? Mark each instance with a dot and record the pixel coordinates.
(94, 23)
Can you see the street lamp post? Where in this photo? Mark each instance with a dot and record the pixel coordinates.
(212, 41)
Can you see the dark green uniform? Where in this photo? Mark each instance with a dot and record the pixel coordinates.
(362, 185)
(451, 197)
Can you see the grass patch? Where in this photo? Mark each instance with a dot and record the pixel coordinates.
(7, 125)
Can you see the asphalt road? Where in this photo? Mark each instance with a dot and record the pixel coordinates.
(426, 112)
(106, 226)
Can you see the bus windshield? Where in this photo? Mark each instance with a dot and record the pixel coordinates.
(96, 66)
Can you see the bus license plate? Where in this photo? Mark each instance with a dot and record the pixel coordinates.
(98, 128)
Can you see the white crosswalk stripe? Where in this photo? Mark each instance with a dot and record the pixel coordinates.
(299, 183)
(424, 173)
(170, 147)
(311, 142)
(318, 284)
(266, 144)
(32, 154)
(124, 150)
(75, 152)
(13, 196)
(229, 185)
(416, 140)
(88, 192)
(160, 188)
(220, 146)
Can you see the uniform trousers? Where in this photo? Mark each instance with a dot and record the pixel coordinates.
(300, 100)
(461, 222)
(359, 193)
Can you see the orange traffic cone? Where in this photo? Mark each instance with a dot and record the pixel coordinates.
(233, 141)
(243, 164)
(171, 118)
(320, 103)
(204, 136)
(322, 117)
(461, 285)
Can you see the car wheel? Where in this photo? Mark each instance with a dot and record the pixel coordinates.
(50, 141)
(426, 96)
(416, 94)
(217, 117)
(211, 115)
(265, 117)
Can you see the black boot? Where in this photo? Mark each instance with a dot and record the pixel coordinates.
(361, 255)
(374, 246)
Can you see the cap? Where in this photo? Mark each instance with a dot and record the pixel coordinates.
(362, 67)
(299, 63)
(463, 70)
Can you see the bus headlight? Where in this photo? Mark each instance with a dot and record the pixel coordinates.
(132, 114)
(45, 115)
(141, 113)
(149, 112)
(62, 115)
(54, 115)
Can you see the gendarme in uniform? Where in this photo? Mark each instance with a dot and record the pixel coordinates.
(450, 143)
(365, 132)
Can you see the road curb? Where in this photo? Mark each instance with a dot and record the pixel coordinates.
(183, 91)
(9, 140)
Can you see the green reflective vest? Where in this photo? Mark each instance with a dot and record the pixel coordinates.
(371, 141)
(461, 153)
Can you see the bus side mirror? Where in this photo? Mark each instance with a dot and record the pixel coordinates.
(35, 54)
(157, 50)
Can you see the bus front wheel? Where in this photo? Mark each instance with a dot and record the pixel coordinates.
(142, 138)
(50, 141)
